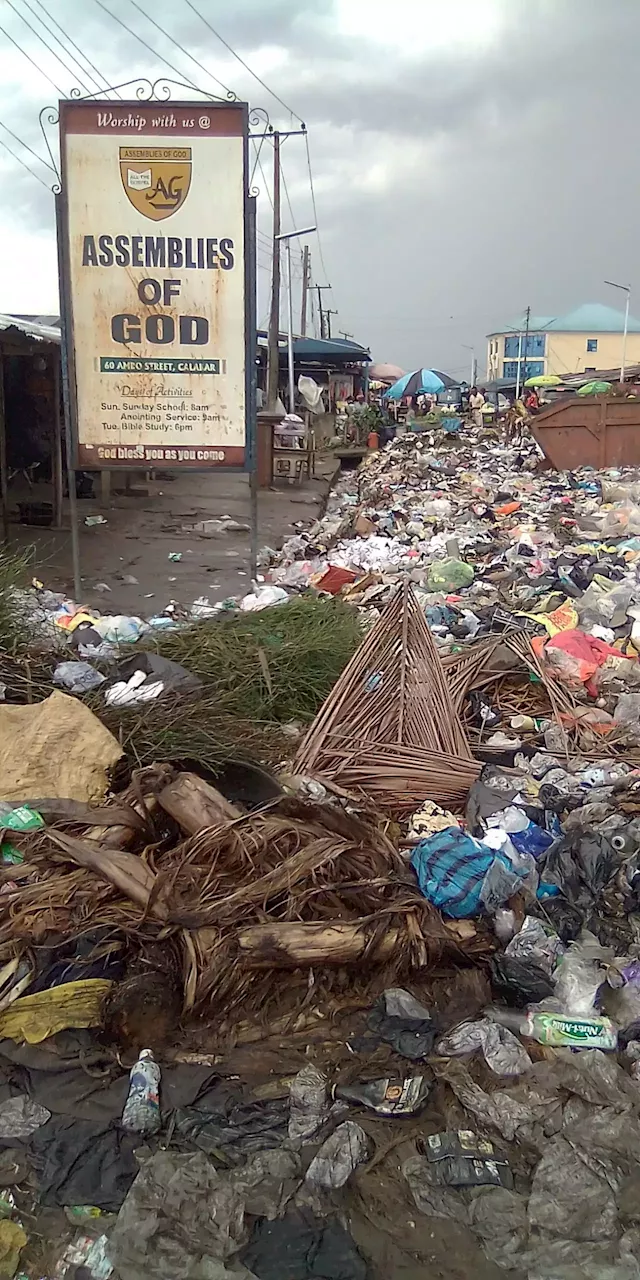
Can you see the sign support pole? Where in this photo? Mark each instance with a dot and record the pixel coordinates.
(251, 379)
(67, 401)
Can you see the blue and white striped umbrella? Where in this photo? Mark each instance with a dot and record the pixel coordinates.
(421, 382)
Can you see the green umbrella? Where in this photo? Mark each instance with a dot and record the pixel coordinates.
(544, 380)
(593, 389)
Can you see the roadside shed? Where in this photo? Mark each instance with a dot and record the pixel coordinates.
(31, 415)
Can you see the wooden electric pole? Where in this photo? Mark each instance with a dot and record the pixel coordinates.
(328, 314)
(273, 354)
(320, 288)
(306, 273)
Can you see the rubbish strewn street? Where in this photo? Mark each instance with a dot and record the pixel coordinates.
(320, 928)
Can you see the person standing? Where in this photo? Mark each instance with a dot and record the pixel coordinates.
(476, 405)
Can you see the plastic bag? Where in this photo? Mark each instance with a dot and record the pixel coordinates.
(401, 1021)
(622, 520)
(568, 1199)
(20, 1117)
(536, 945)
(519, 982)
(337, 1158)
(178, 1210)
(77, 677)
(449, 575)
(574, 657)
(431, 1199)
(581, 864)
(503, 1052)
(263, 598)
(309, 1105)
(580, 974)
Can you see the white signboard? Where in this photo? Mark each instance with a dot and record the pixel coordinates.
(155, 259)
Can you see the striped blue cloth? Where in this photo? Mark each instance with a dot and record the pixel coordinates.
(451, 867)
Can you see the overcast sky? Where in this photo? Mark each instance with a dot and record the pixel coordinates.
(470, 157)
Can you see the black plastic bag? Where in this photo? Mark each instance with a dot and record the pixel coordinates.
(300, 1247)
(519, 983)
(401, 1021)
(581, 864)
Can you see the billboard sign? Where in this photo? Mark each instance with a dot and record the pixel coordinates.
(157, 282)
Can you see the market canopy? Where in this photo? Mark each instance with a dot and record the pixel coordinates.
(421, 382)
(385, 372)
(594, 388)
(544, 380)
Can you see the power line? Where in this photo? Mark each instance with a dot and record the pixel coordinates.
(182, 48)
(147, 46)
(28, 148)
(242, 61)
(77, 48)
(315, 210)
(24, 165)
(72, 71)
(34, 63)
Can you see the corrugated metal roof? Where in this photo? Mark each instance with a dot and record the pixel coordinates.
(591, 317)
(594, 317)
(321, 348)
(41, 332)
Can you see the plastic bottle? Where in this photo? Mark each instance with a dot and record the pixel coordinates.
(559, 1029)
(574, 1032)
(142, 1109)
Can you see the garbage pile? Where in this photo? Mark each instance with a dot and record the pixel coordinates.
(375, 1010)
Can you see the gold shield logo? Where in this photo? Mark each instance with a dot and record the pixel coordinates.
(156, 179)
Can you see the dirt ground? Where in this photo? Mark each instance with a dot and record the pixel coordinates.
(157, 518)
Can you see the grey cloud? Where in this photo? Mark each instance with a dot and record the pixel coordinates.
(534, 191)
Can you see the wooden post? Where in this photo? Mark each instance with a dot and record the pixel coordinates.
(56, 443)
(4, 477)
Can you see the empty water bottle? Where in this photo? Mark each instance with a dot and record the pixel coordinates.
(142, 1109)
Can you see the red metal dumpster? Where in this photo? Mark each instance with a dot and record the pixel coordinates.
(597, 431)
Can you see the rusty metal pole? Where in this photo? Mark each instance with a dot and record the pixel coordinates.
(273, 354)
(56, 444)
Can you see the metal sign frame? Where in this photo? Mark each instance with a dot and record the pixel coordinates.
(68, 333)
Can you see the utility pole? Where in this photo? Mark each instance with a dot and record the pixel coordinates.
(526, 343)
(320, 288)
(306, 276)
(328, 314)
(273, 355)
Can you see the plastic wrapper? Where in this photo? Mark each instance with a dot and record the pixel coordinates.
(502, 1051)
(337, 1158)
(388, 1097)
(459, 1158)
